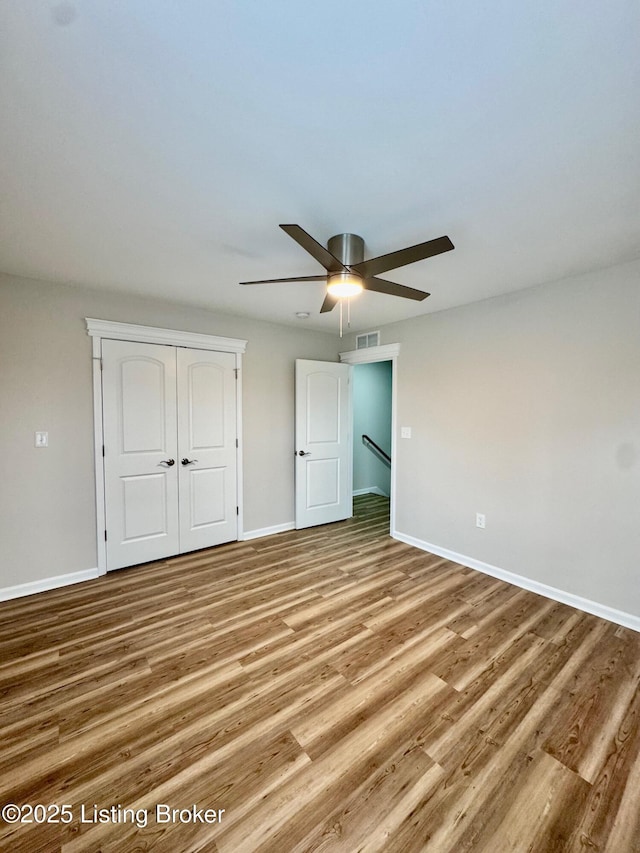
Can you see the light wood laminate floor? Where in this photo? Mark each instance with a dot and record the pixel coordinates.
(330, 689)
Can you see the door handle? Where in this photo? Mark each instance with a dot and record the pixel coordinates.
(304, 453)
(167, 462)
(186, 461)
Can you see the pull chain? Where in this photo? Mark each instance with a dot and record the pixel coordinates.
(342, 300)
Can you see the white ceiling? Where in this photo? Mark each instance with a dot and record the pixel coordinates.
(153, 146)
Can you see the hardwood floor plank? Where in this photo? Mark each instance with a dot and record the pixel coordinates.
(535, 813)
(330, 689)
(284, 817)
(330, 724)
(584, 732)
(611, 817)
(367, 818)
(241, 782)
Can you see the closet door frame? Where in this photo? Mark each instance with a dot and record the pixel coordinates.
(101, 329)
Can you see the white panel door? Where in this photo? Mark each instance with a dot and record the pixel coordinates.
(140, 440)
(206, 448)
(323, 442)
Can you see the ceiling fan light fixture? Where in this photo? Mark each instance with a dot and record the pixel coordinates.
(344, 284)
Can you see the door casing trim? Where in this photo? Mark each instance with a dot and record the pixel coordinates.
(98, 330)
(387, 352)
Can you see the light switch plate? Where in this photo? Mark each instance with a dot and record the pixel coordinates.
(42, 439)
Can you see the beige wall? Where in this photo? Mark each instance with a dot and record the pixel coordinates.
(527, 408)
(47, 496)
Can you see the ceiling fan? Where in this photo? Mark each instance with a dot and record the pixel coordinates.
(347, 271)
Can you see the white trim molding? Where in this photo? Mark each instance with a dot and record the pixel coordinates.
(154, 335)
(367, 354)
(619, 617)
(32, 587)
(99, 330)
(268, 531)
(372, 490)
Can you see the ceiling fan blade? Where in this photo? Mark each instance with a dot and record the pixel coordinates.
(329, 303)
(278, 280)
(401, 258)
(322, 255)
(380, 285)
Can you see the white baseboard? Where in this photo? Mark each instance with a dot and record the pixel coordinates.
(268, 531)
(372, 490)
(627, 620)
(32, 587)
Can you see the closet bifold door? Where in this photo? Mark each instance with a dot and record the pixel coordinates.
(140, 452)
(206, 448)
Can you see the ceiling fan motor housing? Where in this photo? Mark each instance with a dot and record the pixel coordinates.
(348, 248)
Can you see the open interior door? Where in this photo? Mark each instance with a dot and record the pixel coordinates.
(323, 443)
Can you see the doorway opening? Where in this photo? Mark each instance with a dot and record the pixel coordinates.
(324, 433)
(372, 394)
(388, 355)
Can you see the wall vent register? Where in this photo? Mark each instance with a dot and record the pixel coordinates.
(368, 339)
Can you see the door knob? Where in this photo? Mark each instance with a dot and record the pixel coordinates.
(168, 462)
(186, 461)
(304, 453)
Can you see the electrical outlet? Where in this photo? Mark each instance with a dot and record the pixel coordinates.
(405, 432)
(480, 520)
